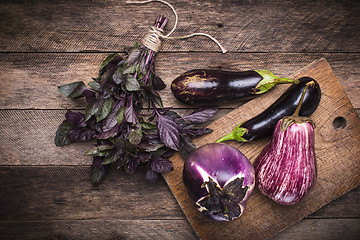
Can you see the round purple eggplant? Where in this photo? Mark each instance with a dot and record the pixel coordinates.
(220, 180)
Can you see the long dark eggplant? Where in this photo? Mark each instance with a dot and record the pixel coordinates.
(208, 87)
(262, 125)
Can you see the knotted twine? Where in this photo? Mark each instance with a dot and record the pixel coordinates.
(154, 36)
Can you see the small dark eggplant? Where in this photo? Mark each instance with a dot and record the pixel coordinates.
(262, 125)
(209, 87)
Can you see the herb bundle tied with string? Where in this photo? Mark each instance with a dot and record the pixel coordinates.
(124, 114)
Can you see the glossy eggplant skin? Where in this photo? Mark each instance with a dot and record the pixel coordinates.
(208, 87)
(262, 125)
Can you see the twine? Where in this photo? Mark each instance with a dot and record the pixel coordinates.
(154, 36)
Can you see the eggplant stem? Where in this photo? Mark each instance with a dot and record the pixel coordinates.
(297, 110)
(287, 121)
(236, 134)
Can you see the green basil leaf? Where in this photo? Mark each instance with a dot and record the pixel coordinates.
(113, 157)
(106, 61)
(118, 76)
(61, 138)
(104, 109)
(135, 135)
(91, 109)
(97, 174)
(120, 115)
(131, 83)
(130, 69)
(72, 90)
(147, 125)
(100, 151)
(94, 85)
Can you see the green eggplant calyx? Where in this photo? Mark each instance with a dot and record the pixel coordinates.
(236, 134)
(270, 80)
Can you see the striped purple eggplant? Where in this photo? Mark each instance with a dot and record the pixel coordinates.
(285, 170)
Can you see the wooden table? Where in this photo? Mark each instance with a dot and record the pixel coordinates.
(45, 191)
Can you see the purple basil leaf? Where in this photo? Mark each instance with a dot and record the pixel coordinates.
(148, 147)
(180, 122)
(155, 98)
(61, 138)
(105, 77)
(186, 147)
(151, 177)
(113, 58)
(167, 153)
(133, 162)
(72, 90)
(111, 120)
(196, 132)
(201, 115)
(130, 114)
(133, 55)
(89, 95)
(161, 165)
(109, 133)
(76, 118)
(168, 131)
(144, 156)
(97, 162)
(158, 83)
(81, 134)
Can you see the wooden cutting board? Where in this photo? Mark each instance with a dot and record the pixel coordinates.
(337, 137)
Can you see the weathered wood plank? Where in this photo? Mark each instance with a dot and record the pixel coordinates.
(34, 193)
(30, 80)
(329, 229)
(115, 229)
(65, 193)
(246, 26)
(346, 206)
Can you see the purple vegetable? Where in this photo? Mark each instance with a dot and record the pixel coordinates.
(207, 87)
(219, 179)
(286, 168)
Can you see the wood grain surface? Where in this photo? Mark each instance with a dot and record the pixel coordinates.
(45, 191)
(336, 151)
